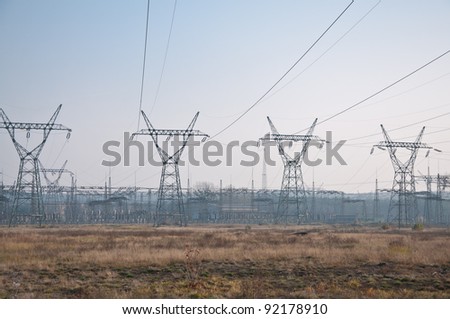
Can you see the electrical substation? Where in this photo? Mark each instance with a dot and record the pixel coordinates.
(29, 201)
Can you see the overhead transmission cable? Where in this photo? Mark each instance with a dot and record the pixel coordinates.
(285, 74)
(327, 50)
(401, 127)
(380, 91)
(407, 91)
(429, 133)
(165, 56)
(143, 64)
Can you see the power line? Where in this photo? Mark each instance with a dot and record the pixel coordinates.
(429, 133)
(380, 91)
(406, 114)
(143, 64)
(165, 56)
(402, 127)
(284, 75)
(407, 91)
(327, 50)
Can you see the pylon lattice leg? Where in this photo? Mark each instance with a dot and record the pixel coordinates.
(28, 205)
(403, 204)
(170, 207)
(292, 204)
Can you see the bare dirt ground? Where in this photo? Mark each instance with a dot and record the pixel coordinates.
(223, 262)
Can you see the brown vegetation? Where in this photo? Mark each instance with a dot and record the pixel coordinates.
(223, 262)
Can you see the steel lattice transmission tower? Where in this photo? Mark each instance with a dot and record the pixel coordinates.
(403, 193)
(28, 201)
(169, 206)
(292, 204)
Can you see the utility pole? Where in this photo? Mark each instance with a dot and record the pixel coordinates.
(169, 206)
(313, 204)
(376, 202)
(28, 201)
(264, 168)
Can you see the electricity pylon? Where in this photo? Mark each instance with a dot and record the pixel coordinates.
(292, 204)
(28, 202)
(169, 205)
(403, 196)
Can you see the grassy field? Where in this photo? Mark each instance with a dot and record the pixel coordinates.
(223, 262)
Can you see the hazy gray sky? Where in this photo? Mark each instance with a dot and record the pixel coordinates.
(223, 55)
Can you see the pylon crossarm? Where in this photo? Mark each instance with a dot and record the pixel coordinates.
(154, 133)
(34, 126)
(45, 127)
(280, 138)
(290, 137)
(169, 132)
(407, 145)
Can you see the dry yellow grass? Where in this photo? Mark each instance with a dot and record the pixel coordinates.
(232, 262)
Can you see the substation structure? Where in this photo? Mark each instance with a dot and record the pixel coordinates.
(222, 205)
(433, 211)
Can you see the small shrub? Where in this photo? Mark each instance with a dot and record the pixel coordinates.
(418, 227)
(398, 242)
(252, 288)
(192, 263)
(341, 242)
(399, 246)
